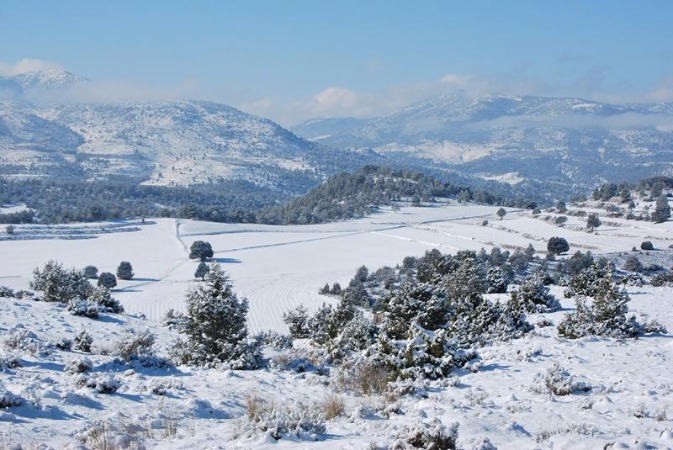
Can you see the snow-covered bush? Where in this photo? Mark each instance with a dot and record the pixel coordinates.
(434, 436)
(78, 365)
(133, 345)
(113, 433)
(586, 281)
(102, 383)
(274, 340)
(106, 303)
(356, 334)
(423, 303)
(534, 297)
(83, 342)
(26, 340)
(9, 399)
(605, 316)
(215, 326)
(83, 307)
(558, 381)
(64, 344)
(426, 354)
(299, 421)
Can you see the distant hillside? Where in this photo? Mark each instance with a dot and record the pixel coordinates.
(563, 141)
(157, 143)
(353, 195)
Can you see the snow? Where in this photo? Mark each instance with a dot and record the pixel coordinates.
(280, 267)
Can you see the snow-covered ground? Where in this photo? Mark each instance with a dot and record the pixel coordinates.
(280, 267)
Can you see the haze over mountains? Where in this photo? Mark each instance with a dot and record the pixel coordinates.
(570, 140)
(529, 141)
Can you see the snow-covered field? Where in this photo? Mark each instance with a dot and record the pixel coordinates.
(280, 267)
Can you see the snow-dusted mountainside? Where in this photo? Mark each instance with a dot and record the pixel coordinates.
(565, 139)
(171, 142)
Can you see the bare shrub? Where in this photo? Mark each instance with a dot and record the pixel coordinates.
(364, 378)
(333, 406)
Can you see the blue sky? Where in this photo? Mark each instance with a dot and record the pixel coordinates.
(290, 59)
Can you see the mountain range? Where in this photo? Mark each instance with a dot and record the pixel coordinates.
(529, 142)
(570, 141)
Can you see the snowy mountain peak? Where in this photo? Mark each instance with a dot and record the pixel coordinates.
(48, 79)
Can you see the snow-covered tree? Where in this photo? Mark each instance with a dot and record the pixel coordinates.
(297, 321)
(606, 316)
(534, 297)
(215, 326)
(496, 280)
(59, 284)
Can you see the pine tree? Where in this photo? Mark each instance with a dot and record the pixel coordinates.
(662, 210)
(593, 221)
(59, 284)
(201, 271)
(215, 325)
(125, 271)
(107, 279)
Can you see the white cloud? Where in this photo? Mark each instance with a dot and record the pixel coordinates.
(260, 107)
(26, 65)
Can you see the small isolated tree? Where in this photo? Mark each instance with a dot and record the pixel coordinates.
(91, 272)
(10, 229)
(593, 221)
(501, 213)
(107, 279)
(215, 326)
(557, 245)
(662, 210)
(646, 245)
(201, 270)
(200, 250)
(125, 271)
